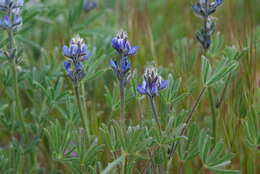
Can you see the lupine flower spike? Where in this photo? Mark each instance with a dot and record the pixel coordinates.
(12, 20)
(204, 9)
(76, 53)
(121, 67)
(152, 83)
(151, 86)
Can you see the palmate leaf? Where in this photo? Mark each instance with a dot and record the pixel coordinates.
(133, 139)
(188, 149)
(218, 170)
(222, 73)
(59, 139)
(172, 94)
(225, 67)
(251, 129)
(214, 159)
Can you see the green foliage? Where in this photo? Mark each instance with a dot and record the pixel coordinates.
(251, 128)
(214, 158)
(225, 67)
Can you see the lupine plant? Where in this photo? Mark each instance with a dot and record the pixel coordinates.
(11, 22)
(77, 52)
(151, 85)
(122, 65)
(204, 9)
(62, 111)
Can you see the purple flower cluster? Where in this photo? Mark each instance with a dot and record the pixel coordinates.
(122, 44)
(152, 83)
(12, 20)
(203, 9)
(122, 66)
(77, 52)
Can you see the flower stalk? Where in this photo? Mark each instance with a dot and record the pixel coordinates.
(204, 9)
(155, 113)
(122, 102)
(121, 67)
(151, 86)
(11, 22)
(76, 53)
(77, 94)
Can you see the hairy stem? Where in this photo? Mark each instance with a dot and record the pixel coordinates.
(76, 88)
(187, 122)
(122, 102)
(155, 113)
(13, 60)
(214, 115)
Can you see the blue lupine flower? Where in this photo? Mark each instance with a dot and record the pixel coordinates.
(152, 83)
(203, 9)
(122, 45)
(77, 52)
(90, 5)
(123, 68)
(6, 5)
(12, 21)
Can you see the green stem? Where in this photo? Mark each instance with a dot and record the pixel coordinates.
(124, 165)
(122, 102)
(12, 58)
(155, 113)
(76, 88)
(17, 95)
(214, 115)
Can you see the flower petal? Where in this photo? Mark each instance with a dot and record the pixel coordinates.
(79, 67)
(115, 44)
(141, 90)
(219, 2)
(113, 64)
(17, 20)
(87, 56)
(163, 84)
(67, 65)
(197, 9)
(66, 51)
(126, 65)
(133, 50)
(73, 49)
(7, 21)
(154, 89)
